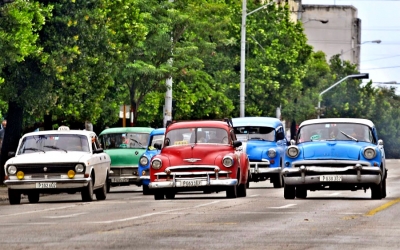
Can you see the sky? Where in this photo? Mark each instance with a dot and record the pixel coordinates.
(380, 20)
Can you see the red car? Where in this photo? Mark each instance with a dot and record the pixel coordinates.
(199, 156)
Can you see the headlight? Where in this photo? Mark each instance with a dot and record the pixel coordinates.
(144, 161)
(12, 169)
(79, 168)
(156, 164)
(369, 153)
(292, 151)
(227, 161)
(271, 153)
(20, 175)
(71, 174)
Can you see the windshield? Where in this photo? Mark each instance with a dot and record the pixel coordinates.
(155, 139)
(124, 140)
(196, 135)
(255, 133)
(338, 131)
(54, 142)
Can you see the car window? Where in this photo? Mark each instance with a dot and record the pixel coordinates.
(125, 140)
(155, 139)
(246, 133)
(196, 135)
(54, 142)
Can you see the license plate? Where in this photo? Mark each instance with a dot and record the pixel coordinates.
(46, 185)
(191, 183)
(330, 178)
(119, 180)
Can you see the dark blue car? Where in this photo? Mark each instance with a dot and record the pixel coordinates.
(265, 142)
(156, 136)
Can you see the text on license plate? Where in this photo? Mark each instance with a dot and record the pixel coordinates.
(330, 178)
(119, 180)
(191, 183)
(46, 185)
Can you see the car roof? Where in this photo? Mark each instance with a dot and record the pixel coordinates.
(158, 131)
(59, 132)
(201, 123)
(256, 121)
(338, 120)
(127, 130)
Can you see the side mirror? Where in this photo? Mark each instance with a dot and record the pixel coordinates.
(157, 145)
(380, 142)
(11, 154)
(237, 144)
(98, 151)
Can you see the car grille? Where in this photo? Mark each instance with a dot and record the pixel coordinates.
(124, 171)
(48, 169)
(195, 172)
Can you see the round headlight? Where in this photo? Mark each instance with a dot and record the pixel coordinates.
(156, 164)
(271, 153)
(12, 169)
(227, 161)
(71, 174)
(144, 161)
(79, 168)
(20, 175)
(369, 153)
(292, 151)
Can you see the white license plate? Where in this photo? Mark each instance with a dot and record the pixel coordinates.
(330, 178)
(119, 180)
(46, 185)
(191, 183)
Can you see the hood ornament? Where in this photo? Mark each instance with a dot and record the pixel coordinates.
(191, 160)
(45, 169)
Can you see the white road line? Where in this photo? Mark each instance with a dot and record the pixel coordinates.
(62, 216)
(38, 211)
(285, 206)
(254, 195)
(151, 214)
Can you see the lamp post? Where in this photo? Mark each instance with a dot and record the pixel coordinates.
(243, 52)
(355, 76)
(358, 45)
(324, 21)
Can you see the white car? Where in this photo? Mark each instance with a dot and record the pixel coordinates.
(57, 161)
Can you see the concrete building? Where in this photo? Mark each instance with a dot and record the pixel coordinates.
(340, 35)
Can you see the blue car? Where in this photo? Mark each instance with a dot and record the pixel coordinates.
(335, 154)
(265, 142)
(156, 136)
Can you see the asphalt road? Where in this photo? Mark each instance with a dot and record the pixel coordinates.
(262, 220)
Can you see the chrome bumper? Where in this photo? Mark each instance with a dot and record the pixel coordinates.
(61, 183)
(263, 168)
(176, 183)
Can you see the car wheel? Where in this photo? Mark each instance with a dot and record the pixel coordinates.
(384, 188)
(101, 193)
(33, 197)
(301, 192)
(241, 190)
(231, 192)
(158, 195)
(277, 181)
(289, 192)
(248, 180)
(87, 192)
(146, 190)
(14, 197)
(108, 185)
(170, 195)
(376, 191)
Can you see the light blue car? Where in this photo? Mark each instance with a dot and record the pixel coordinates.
(335, 154)
(265, 142)
(156, 136)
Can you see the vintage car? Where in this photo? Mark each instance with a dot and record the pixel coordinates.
(199, 156)
(156, 136)
(57, 161)
(125, 145)
(335, 154)
(264, 141)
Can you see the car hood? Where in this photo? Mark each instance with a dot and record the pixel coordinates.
(341, 150)
(198, 154)
(124, 157)
(256, 149)
(49, 157)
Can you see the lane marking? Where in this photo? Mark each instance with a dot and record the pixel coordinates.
(285, 206)
(151, 214)
(37, 211)
(62, 216)
(383, 207)
(254, 195)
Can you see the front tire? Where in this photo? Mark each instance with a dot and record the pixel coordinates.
(231, 192)
(101, 193)
(377, 191)
(277, 181)
(241, 190)
(301, 192)
(289, 192)
(146, 190)
(158, 195)
(87, 192)
(14, 197)
(33, 197)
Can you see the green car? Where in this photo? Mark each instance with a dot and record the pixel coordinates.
(125, 145)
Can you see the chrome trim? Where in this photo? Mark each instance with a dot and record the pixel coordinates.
(192, 173)
(204, 182)
(296, 180)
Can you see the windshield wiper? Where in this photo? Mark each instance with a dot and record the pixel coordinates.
(56, 148)
(137, 142)
(349, 136)
(34, 149)
(257, 138)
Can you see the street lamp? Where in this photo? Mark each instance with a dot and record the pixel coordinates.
(358, 45)
(324, 21)
(356, 76)
(243, 52)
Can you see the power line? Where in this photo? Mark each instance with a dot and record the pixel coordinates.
(391, 67)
